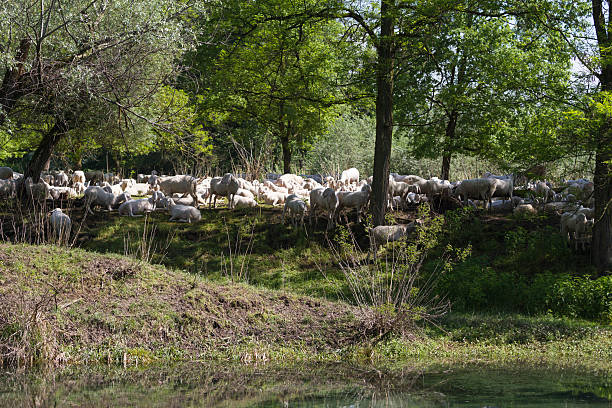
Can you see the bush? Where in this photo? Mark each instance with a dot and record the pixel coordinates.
(582, 297)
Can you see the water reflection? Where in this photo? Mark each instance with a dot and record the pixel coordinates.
(305, 386)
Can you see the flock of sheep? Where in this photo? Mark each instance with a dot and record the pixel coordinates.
(183, 195)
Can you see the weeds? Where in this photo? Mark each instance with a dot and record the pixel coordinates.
(235, 264)
(147, 247)
(388, 285)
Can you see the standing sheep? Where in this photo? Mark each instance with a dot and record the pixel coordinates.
(296, 209)
(478, 189)
(349, 176)
(325, 199)
(181, 184)
(227, 187)
(61, 224)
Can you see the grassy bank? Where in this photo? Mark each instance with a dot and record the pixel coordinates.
(61, 307)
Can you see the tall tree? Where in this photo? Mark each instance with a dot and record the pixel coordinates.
(61, 59)
(602, 230)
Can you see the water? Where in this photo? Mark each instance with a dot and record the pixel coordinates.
(312, 386)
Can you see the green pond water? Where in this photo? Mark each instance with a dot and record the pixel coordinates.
(306, 386)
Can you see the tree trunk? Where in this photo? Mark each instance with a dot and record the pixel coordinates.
(448, 151)
(286, 153)
(384, 114)
(43, 152)
(601, 244)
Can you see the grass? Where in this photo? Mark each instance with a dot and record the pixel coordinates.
(72, 307)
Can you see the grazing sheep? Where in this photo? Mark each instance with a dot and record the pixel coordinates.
(326, 200)
(389, 233)
(296, 209)
(349, 176)
(358, 200)
(183, 213)
(95, 195)
(60, 223)
(478, 189)
(6, 173)
(239, 201)
(181, 184)
(227, 186)
(133, 207)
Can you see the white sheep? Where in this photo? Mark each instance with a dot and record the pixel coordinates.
(296, 209)
(349, 176)
(95, 195)
(504, 188)
(239, 201)
(358, 200)
(543, 190)
(326, 200)
(183, 213)
(575, 226)
(182, 184)
(383, 234)
(227, 186)
(478, 189)
(78, 177)
(6, 173)
(525, 209)
(274, 197)
(62, 179)
(133, 207)
(60, 223)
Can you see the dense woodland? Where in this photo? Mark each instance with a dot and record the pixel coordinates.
(205, 87)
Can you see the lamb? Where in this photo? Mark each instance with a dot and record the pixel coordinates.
(133, 207)
(479, 189)
(326, 199)
(182, 184)
(95, 195)
(239, 201)
(349, 176)
(183, 213)
(575, 226)
(6, 173)
(227, 187)
(358, 200)
(60, 223)
(296, 209)
(274, 197)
